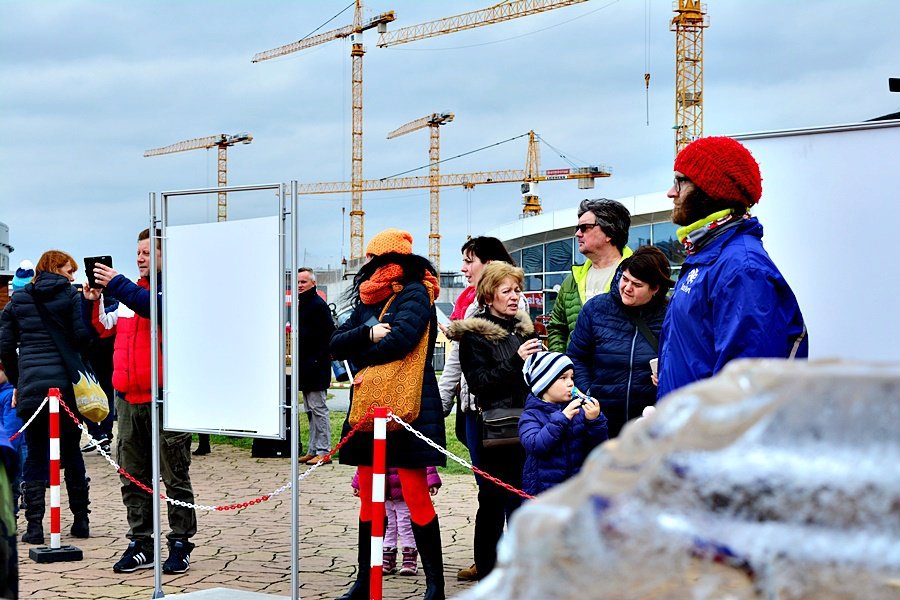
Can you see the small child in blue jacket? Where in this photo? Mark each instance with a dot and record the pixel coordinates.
(556, 430)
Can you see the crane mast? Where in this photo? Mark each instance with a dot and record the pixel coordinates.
(221, 142)
(433, 122)
(354, 32)
(688, 24)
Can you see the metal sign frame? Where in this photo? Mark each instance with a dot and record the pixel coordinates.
(287, 208)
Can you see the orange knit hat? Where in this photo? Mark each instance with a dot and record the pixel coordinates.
(390, 240)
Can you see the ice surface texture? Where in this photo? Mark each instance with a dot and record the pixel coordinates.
(774, 479)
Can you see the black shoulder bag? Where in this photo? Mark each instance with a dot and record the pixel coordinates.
(90, 399)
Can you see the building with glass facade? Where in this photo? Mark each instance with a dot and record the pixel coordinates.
(545, 246)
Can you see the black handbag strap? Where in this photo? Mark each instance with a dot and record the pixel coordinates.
(74, 363)
(645, 331)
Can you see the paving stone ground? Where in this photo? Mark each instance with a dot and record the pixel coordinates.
(246, 549)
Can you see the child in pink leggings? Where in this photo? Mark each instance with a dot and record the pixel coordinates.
(399, 525)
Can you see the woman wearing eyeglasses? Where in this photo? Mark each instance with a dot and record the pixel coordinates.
(616, 336)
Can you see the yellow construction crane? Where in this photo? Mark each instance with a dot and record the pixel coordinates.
(531, 175)
(432, 121)
(688, 24)
(584, 175)
(222, 142)
(354, 32)
(504, 11)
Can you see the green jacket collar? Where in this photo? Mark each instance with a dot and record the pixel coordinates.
(580, 273)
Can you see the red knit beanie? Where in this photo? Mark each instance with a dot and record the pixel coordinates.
(723, 168)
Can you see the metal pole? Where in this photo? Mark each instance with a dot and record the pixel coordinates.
(294, 412)
(154, 397)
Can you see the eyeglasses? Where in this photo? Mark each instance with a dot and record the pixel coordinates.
(679, 180)
(583, 227)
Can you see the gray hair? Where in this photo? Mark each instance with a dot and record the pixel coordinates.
(612, 216)
(312, 274)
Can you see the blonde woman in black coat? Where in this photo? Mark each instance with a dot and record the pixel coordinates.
(493, 346)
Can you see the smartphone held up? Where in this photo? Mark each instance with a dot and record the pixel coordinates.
(89, 263)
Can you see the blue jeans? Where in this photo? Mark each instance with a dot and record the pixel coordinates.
(473, 439)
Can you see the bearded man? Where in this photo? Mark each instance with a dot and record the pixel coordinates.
(730, 301)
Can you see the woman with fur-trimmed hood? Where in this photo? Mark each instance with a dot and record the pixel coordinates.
(493, 346)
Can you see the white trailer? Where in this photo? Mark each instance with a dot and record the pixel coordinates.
(830, 210)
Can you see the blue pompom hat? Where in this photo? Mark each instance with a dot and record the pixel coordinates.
(24, 275)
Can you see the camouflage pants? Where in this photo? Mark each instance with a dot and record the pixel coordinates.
(134, 455)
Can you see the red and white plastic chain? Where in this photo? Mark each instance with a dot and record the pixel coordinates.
(33, 417)
(220, 508)
(461, 461)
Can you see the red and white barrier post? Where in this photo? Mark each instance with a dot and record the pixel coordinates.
(54, 468)
(55, 552)
(379, 470)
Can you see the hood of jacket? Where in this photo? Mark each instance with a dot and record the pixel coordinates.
(490, 328)
(47, 284)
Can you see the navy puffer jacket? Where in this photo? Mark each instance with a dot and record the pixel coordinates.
(39, 365)
(409, 315)
(555, 447)
(612, 357)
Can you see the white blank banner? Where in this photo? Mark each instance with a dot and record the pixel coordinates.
(830, 210)
(223, 361)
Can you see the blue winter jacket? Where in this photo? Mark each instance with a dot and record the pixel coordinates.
(555, 447)
(612, 356)
(730, 302)
(10, 422)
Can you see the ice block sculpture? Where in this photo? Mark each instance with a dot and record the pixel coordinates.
(774, 479)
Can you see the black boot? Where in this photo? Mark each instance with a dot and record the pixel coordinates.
(428, 540)
(203, 445)
(34, 512)
(360, 588)
(79, 500)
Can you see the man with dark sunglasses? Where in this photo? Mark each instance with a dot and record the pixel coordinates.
(602, 233)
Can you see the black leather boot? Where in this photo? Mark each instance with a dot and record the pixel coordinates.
(34, 492)
(79, 500)
(428, 540)
(360, 588)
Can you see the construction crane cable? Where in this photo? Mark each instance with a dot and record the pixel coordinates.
(352, 4)
(515, 37)
(647, 13)
(560, 153)
(453, 157)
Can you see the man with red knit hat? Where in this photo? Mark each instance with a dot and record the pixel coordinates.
(730, 300)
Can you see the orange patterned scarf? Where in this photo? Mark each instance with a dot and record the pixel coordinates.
(383, 283)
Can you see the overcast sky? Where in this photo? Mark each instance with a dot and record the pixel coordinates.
(86, 87)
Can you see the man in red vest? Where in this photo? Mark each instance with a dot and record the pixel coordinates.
(131, 380)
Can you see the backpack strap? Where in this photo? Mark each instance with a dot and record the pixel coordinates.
(73, 362)
(645, 331)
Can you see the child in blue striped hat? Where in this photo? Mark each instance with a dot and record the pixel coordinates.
(557, 428)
